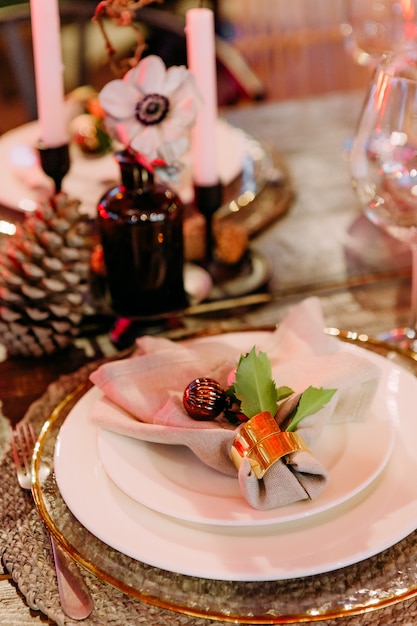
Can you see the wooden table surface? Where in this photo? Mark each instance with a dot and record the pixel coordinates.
(322, 246)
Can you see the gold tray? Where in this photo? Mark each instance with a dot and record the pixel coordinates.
(378, 582)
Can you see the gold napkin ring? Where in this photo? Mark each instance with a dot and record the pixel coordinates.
(262, 443)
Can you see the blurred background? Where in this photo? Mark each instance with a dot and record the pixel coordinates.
(267, 49)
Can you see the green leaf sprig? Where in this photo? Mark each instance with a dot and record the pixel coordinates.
(254, 391)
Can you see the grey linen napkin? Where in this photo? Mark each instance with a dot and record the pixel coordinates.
(143, 399)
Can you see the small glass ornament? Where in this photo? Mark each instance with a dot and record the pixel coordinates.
(141, 230)
(204, 399)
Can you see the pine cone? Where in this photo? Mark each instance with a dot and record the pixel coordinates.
(44, 276)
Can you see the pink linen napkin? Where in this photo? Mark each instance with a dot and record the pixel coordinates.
(143, 399)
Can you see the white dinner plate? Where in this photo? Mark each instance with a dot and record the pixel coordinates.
(173, 481)
(23, 181)
(379, 516)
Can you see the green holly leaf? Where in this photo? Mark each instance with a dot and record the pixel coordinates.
(311, 401)
(254, 385)
(284, 392)
(254, 391)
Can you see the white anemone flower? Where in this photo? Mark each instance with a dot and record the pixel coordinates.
(151, 110)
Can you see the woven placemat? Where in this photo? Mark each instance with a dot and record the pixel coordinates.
(27, 555)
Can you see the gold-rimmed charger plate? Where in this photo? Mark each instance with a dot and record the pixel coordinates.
(373, 583)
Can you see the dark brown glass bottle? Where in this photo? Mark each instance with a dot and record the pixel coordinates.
(141, 230)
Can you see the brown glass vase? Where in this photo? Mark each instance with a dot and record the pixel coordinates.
(141, 230)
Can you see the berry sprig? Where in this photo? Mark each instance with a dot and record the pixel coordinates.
(252, 392)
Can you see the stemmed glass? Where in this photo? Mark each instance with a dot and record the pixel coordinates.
(372, 27)
(384, 161)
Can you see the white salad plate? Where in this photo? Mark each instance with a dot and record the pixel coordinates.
(24, 182)
(379, 515)
(173, 481)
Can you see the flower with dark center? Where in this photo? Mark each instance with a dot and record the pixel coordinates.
(152, 109)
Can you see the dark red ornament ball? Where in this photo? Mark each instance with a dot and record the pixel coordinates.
(204, 399)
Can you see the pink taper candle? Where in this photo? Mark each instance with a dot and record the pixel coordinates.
(201, 55)
(48, 72)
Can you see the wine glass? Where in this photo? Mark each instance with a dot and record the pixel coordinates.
(384, 162)
(372, 27)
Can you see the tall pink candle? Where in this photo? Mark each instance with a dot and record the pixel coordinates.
(201, 55)
(48, 72)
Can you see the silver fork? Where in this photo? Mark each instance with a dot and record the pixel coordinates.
(76, 600)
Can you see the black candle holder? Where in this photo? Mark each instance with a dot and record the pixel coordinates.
(207, 200)
(55, 163)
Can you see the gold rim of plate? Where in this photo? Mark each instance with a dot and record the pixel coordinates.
(305, 599)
